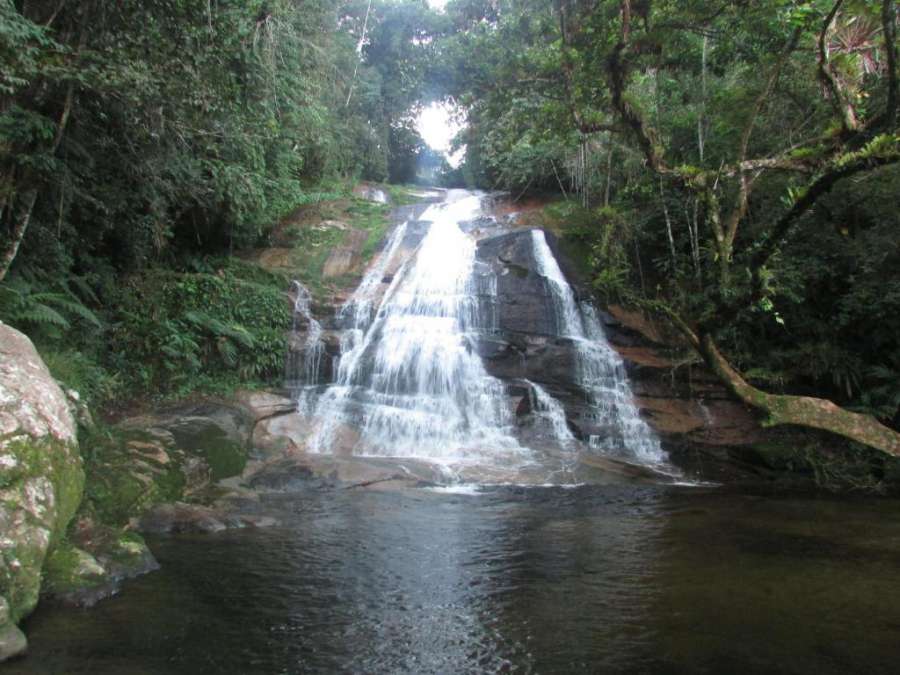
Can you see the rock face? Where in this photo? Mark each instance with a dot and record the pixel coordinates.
(686, 406)
(41, 477)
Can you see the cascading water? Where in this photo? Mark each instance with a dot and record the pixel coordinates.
(304, 360)
(550, 411)
(409, 378)
(409, 381)
(599, 369)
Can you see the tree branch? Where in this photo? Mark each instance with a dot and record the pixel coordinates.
(767, 92)
(764, 251)
(806, 411)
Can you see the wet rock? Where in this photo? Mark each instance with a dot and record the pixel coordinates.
(303, 472)
(522, 301)
(95, 563)
(180, 518)
(12, 640)
(276, 435)
(263, 404)
(41, 474)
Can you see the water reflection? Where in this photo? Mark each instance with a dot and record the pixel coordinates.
(593, 579)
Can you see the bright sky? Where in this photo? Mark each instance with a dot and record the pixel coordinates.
(436, 122)
(437, 127)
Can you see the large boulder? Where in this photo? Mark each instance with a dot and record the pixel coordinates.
(41, 477)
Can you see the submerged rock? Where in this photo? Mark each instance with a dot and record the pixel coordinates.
(181, 518)
(41, 475)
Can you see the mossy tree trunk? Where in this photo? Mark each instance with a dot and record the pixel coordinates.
(805, 411)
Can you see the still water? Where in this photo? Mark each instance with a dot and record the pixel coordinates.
(656, 579)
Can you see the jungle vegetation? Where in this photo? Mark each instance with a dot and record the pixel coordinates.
(730, 166)
(734, 169)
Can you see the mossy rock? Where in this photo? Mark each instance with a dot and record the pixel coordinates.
(69, 569)
(41, 475)
(128, 472)
(12, 640)
(40, 490)
(171, 456)
(94, 569)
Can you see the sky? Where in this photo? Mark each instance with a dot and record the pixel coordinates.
(436, 124)
(437, 127)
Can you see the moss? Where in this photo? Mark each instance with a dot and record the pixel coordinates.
(70, 569)
(224, 456)
(20, 567)
(121, 483)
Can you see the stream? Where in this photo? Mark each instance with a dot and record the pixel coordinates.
(553, 580)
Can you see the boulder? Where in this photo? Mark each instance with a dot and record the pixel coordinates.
(284, 433)
(219, 433)
(521, 301)
(41, 477)
(94, 563)
(12, 640)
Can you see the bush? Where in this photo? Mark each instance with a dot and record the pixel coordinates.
(179, 331)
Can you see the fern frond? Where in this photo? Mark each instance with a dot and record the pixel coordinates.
(75, 307)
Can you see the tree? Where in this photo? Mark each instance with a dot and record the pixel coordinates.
(821, 75)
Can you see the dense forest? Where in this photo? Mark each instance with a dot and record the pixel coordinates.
(609, 381)
(729, 166)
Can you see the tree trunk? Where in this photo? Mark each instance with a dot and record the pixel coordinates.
(805, 411)
(20, 225)
(22, 217)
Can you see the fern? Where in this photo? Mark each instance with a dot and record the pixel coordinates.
(23, 305)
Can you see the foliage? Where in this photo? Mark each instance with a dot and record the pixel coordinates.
(173, 329)
(651, 109)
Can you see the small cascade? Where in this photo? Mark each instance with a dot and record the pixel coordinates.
(357, 312)
(600, 371)
(409, 378)
(306, 348)
(551, 412)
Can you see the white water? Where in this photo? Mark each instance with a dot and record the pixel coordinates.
(304, 365)
(551, 411)
(409, 380)
(599, 369)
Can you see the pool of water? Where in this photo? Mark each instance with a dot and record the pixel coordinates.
(652, 579)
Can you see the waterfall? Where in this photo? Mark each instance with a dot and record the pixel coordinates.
(600, 371)
(304, 361)
(357, 310)
(409, 379)
(410, 382)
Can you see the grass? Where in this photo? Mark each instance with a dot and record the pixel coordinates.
(314, 232)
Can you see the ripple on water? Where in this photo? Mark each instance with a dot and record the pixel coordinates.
(617, 578)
